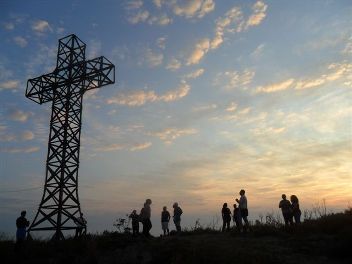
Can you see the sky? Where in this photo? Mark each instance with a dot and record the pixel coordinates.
(211, 97)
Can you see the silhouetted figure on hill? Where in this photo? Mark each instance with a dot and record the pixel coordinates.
(226, 217)
(242, 204)
(81, 226)
(165, 219)
(135, 222)
(286, 209)
(145, 217)
(21, 223)
(177, 216)
(237, 217)
(296, 212)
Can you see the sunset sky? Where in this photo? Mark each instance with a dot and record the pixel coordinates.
(211, 97)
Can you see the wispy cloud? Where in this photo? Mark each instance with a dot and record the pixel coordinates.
(41, 27)
(230, 80)
(173, 65)
(141, 97)
(259, 13)
(141, 146)
(161, 42)
(335, 71)
(9, 85)
(140, 16)
(200, 49)
(195, 74)
(27, 135)
(19, 115)
(192, 8)
(20, 41)
(153, 58)
(275, 87)
(19, 150)
(8, 26)
(232, 21)
(169, 135)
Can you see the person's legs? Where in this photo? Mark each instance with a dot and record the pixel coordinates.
(246, 224)
(223, 225)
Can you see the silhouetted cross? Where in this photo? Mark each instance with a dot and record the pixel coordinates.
(60, 208)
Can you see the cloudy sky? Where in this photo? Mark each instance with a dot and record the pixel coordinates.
(211, 97)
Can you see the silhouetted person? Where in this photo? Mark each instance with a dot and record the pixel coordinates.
(296, 212)
(242, 204)
(226, 217)
(81, 226)
(177, 216)
(145, 215)
(21, 223)
(165, 219)
(135, 222)
(286, 209)
(237, 217)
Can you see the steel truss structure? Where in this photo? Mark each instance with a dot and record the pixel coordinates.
(59, 209)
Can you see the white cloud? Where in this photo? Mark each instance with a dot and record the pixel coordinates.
(258, 51)
(259, 13)
(275, 87)
(192, 8)
(232, 107)
(9, 85)
(173, 65)
(230, 80)
(19, 150)
(111, 147)
(142, 146)
(152, 58)
(9, 26)
(27, 135)
(158, 3)
(195, 74)
(348, 47)
(18, 115)
(200, 49)
(134, 4)
(141, 97)
(168, 135)
(41, 26)
(140, 16)
(20, 41)
(161, 20)
(161, 42)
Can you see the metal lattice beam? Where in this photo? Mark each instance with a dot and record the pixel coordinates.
(59, 208)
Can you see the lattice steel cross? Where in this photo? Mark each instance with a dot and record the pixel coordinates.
(59, 208)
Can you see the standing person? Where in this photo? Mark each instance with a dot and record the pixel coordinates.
(237, 217)
(165, 219)
(295, 209)
(286, 209)
(177, 216)
(226, 217)
(146, 214)
(135, 222)
(81, 228)
(242, 204)
(21, 223)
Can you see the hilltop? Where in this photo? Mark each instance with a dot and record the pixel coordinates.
(323, 240)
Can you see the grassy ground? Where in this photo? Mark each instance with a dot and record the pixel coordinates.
(325, 240)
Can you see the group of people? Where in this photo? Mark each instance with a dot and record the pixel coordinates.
(290, 210)
(144, 218)
(240, 213)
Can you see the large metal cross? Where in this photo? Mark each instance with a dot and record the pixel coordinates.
(59, 209)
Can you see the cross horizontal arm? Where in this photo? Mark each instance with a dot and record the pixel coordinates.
(99, 72)
(41, 89)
